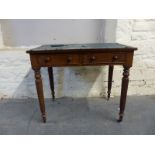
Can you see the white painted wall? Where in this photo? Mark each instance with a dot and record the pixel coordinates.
(108, 31)
(1, 37)
(17, 78)
(36, 32)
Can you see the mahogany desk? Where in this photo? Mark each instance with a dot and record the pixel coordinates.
(81, 55)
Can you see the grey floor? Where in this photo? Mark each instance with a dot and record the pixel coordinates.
(82, 116)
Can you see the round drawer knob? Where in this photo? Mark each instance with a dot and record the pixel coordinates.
(47, 59)
(115, 58)
(92, 59)
(69, 59)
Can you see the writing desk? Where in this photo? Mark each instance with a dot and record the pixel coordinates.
(68, 55)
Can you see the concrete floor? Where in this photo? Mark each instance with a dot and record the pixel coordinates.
(80, 116)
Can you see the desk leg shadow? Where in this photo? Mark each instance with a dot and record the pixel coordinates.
(51, 81)
(110, 77)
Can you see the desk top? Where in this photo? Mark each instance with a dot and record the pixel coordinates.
(70, 47)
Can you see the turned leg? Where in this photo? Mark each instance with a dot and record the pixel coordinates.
(39, 87)
(125, 81)
(110, 75)
(51, 80)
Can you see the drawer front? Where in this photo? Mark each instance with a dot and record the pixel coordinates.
(103, 58)
(58, 60)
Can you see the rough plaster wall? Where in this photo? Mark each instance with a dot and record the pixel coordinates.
(16, 76)
(141, 34)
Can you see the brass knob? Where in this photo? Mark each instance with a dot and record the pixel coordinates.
(47, 59)
(115, 58)
(69, 59)
(92, 59)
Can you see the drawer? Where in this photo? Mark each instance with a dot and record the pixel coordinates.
(58, 59)
(103, 58)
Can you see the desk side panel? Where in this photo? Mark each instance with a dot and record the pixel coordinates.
(129, 59)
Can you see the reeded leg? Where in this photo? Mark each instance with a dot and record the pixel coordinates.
(125, 81)
(39, 87)
(110, 75)
(51, 80)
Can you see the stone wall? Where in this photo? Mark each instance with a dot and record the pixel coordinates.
(141, 34)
